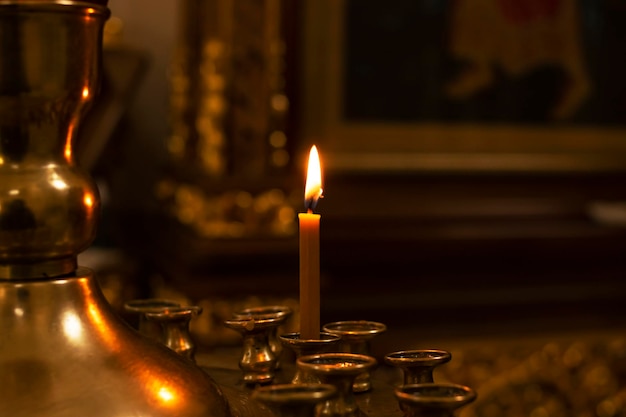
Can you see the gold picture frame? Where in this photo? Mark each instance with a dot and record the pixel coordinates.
(431, 146)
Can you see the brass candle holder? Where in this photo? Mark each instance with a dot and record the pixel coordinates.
(304, 347)
(339, 370)
(141, 307)
(291, 400)
(174, 323)
(355, 338)
(433, 400)
(418, 365)
(274, 311)
(257, 362)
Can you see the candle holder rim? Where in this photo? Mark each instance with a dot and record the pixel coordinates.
(293, 338)
(362, 363)
(355, 327)
(407, 393)
(252, 323)
(418, 357)
(294, 393)
(264, 312)
(149, 305)
(175, 313)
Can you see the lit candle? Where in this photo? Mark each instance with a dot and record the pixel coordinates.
(310, 252)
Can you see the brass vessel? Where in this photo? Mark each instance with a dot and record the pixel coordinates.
(63, 351)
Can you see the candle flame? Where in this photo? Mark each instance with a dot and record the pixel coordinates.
(313, 188)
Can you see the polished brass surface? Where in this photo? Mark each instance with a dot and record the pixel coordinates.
(418, 365)
(304, 347)
(48, 75)
(294, 400)
(141, 307)
(174, 323)
(433, 400)
(63, 353)
(257, 362)
(355, 338)
(282, 312)
(339, 370)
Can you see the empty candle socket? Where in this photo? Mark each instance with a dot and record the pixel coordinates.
(258, 362)
(355, 338)
(433, 399)
(339, 370)
(304, 347)
(174, 322)
(294, 400)
(418, 365)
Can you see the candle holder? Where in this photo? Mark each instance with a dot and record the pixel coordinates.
(355, 338)
(433, 400)
(263, 312)
(418, 365)
(340, 370)
(174, 323)
(257, 362)
(305, 347)
(290, 400)
(140, 307)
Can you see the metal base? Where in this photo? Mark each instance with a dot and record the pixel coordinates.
(63, 352)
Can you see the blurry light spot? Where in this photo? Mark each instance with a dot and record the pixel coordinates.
(166, 395)
(59, 184)
(244, 199)
(286, 214)
(278, 139)
(72, 326)
(280, 102)
(88, 200)
(276, 196)
(85, 92)
(280, 158)
(18, 311)
(14, 192)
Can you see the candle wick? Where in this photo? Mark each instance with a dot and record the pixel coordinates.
(309, 211)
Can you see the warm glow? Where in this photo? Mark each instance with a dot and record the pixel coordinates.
(166, 395)
(57, 182)
(85, 92)
(72, 326)
(88, 200)
(313, 189)
(68, 151)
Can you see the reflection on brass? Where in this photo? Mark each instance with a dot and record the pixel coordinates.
(67, 354)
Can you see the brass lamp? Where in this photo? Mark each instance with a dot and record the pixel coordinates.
(63, 351)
